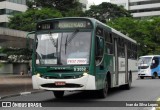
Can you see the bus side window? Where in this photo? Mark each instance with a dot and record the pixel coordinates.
(99, 45)
(155, 62)
(109, 43)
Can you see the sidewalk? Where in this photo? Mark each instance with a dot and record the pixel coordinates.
(15, 84)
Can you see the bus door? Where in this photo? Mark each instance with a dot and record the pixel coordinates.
(116, 60)
(99, 55)
(126, 63)
(122, 62)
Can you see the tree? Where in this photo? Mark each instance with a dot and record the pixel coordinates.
(64, 6)
(26, 21)
(146, 32)
(106, 11)
(16, 55)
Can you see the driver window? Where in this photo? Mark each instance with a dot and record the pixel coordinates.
(99, 45)
(155, 62)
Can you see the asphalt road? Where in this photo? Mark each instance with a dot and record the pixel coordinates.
(142, 90)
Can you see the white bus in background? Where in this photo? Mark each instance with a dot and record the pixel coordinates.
(149, 66)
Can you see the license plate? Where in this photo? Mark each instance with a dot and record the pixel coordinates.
(60, 83)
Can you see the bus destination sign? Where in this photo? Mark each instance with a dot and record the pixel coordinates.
(78, 24)
(64, 24)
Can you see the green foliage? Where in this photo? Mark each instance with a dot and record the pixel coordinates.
(146, 32)
(64, 6)
(14, 51)
(13, 54)
(73, 13)
(1, 64)
(26, 21)
(106, 11)
(44, 9)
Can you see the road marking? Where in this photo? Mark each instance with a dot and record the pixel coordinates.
(25, 93)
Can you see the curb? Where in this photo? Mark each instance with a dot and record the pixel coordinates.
(15, 76)
(20, 94)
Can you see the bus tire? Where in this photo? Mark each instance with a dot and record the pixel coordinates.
(58, 94)
(141, 77)
(154, 75)
(103, 92)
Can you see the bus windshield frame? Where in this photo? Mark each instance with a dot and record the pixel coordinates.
(145, 60)
(62, 43)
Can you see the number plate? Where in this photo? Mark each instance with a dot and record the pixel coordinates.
(60, 83)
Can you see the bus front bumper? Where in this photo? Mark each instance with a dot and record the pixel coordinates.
(144, 72)
(86, 82)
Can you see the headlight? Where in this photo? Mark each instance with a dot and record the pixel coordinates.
(38, 75)
(85, 74)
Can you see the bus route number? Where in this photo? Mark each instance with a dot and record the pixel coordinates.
(80, 69)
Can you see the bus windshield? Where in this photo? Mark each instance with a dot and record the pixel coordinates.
(145, 61)
(66, 48)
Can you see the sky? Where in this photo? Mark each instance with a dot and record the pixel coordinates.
(96, 2)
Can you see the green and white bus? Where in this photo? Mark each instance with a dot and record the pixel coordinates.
(81, 54)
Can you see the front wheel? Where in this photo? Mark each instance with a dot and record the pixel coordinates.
(103, 92)
(154, 76)
(58, 94)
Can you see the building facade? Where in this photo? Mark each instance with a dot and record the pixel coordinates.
(10, 7)
(140, 8)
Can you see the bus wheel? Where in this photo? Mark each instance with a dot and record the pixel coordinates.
(103, 92)
(58, 94)
(141, 77)
(154, 75)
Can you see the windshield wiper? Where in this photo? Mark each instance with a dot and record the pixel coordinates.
(66, 44)
(53, 41)
(71, 37)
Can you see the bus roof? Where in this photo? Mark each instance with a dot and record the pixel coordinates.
(115, 31)
(150, 56)
(96, 21)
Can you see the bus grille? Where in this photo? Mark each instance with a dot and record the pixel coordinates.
(52, 85)
(64, 77)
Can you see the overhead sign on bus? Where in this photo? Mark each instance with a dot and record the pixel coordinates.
(64, 24)
(77, 24)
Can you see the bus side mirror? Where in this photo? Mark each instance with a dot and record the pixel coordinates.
(29, 39)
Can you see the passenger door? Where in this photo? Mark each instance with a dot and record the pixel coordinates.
(99, 53)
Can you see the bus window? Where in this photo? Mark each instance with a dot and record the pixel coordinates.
(99, 49)
(155, 62)
(121, 52)
(99, 45)
(109, 43)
